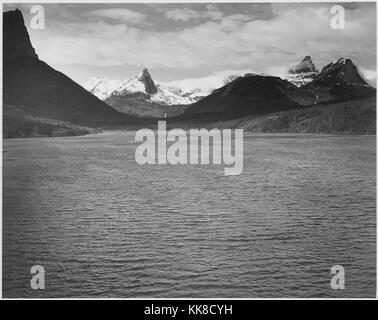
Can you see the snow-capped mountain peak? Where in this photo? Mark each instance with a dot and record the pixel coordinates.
(143, 84)
(302, 73)
(341, 71)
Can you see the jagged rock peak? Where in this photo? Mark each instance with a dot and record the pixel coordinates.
(305, 66)
(337, 64)
(16, 41)
(342, 70)
(146, 79)
(144, 73)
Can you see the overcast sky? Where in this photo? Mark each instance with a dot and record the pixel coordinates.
(177, 41)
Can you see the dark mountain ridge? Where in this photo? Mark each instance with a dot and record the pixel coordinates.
(251, 94)
(16, 39)
(258, 95)
(36, 88)
(338, 81)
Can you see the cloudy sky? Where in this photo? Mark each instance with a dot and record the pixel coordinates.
(180, 41)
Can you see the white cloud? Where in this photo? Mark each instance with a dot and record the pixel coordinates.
(120, 14)
(209, 83)
(278, 71)
(369, 75)
(233, 42)
(186, 14)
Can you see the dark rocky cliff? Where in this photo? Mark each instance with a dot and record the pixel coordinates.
(39, 90)
(16, 40)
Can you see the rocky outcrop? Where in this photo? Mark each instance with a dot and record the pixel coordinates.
(149, 84)
(16, 41)
(338, 81)
(305, 66)
(340, 71)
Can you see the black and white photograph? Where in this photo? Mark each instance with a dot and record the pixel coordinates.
(189, 150)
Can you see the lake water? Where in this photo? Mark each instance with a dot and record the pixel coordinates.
(103, 226)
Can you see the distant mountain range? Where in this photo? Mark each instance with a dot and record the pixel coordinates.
(259, 95)
(143, 96)
(39, 100)
(142, 84)
(180, 92)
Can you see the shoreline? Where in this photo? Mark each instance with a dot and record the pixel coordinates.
(256, 134)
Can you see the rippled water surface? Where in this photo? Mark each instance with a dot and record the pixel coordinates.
(104, 226)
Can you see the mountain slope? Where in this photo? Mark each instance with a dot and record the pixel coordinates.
(16, 39)
(100, 87)
(20, 124)
(349, 117)
(251, 94)
(34, 87)
(258, 95)
(338, 81)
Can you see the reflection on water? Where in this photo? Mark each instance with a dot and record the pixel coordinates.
(103, 226)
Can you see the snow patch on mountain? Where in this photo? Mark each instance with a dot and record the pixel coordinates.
(101, 87)
(169, 95)
(300, 79)
(129, 86)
